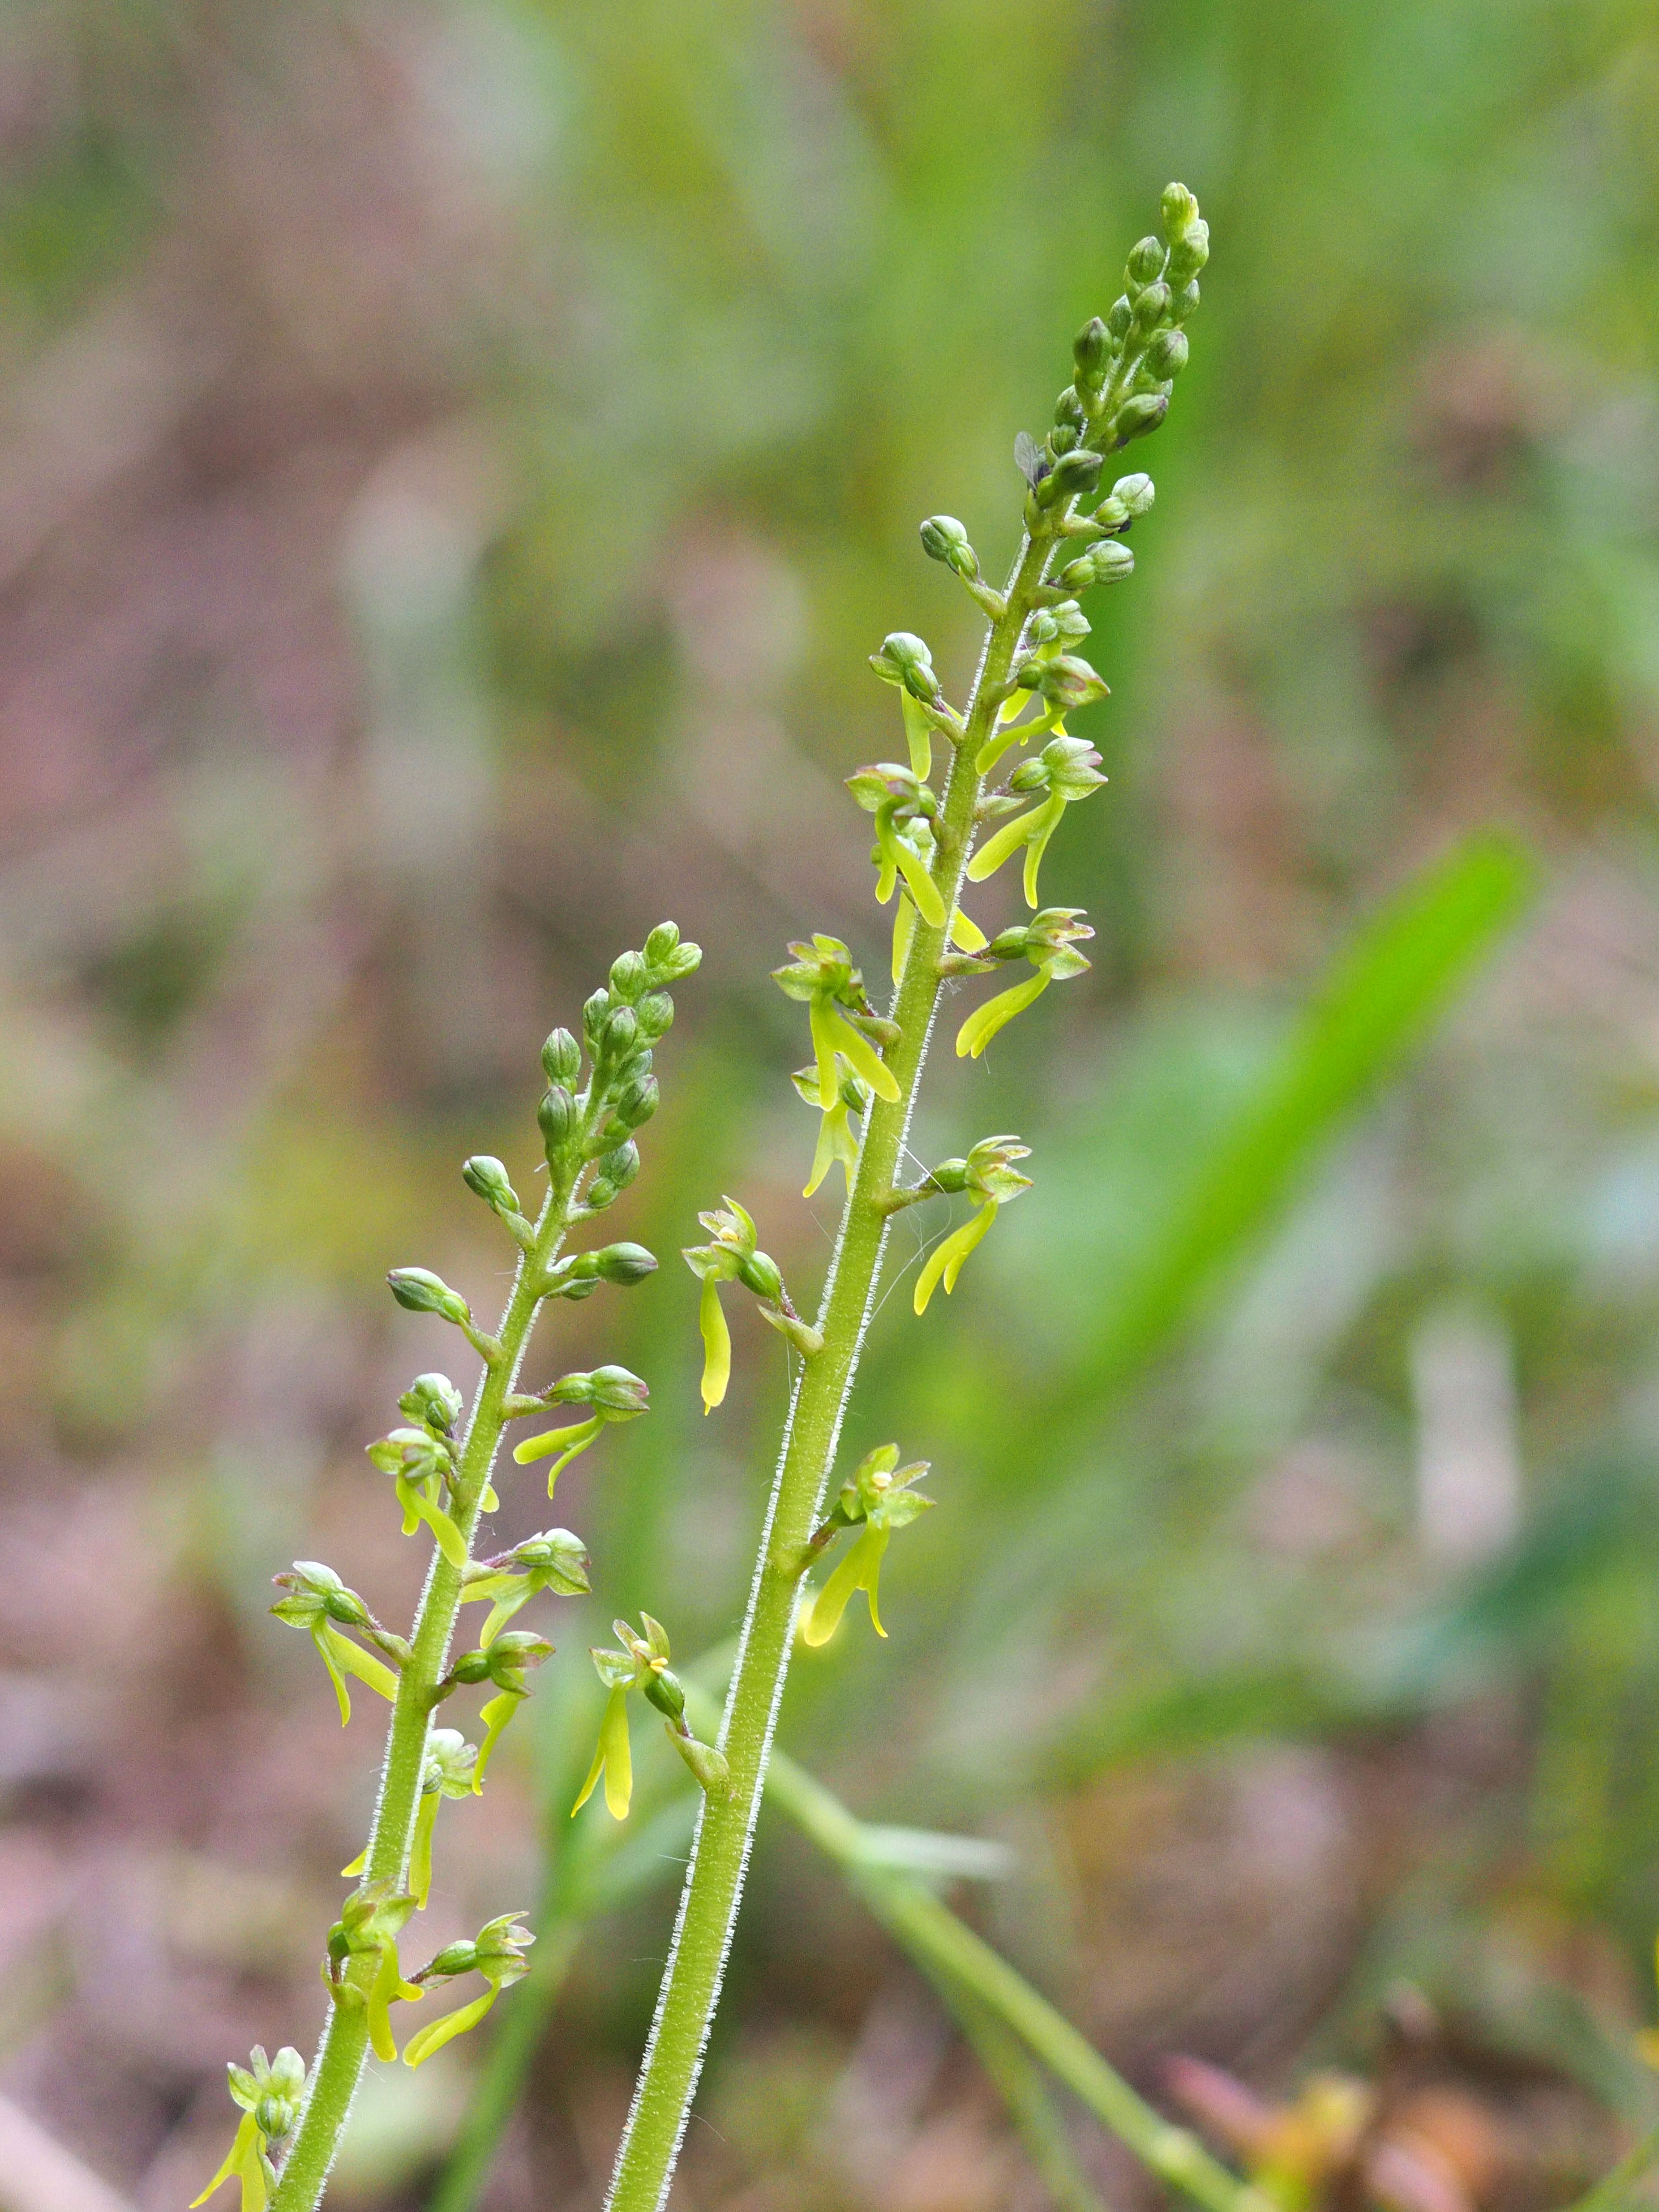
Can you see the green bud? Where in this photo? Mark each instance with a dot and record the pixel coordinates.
(419, 1291)
(619, 1168)
(1068, 408)
(614, 1390)
(1066, 681)
(561, 1058)
(1167, 354)
(1184, 301)
(620, 1034)
(667, 958)
(1138, 416)
(1144, 264)
(594, 1010)
(486, 1176)
(637, 1103)
(627, 977)
(624, 1263)
(435, 1400)
(1063, 438)
(1092, 349)
(944, 539)
(1106, 563)
(1151, 308)
(655, 1012)
(557, 1117)
(905, 658)
(1118, 318)
(1190, 253)
(1135, 493)
(1179, 210)
(1073, 474)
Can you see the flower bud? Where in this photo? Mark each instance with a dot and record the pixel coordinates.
(620, 1034)
(1184, 301)
(1108, 562)
(944, 539)
(637, 1103)
(1138, 416)
(486, 1176)
(619, 1168)
(1063, 438)
(435, 1400)
(628, 974)
(1135, 493)
(1092, 349)
(1118, 318)
(1068, 408)
(1150, 309)
(557, 1117)
(667, 958)
(561, 1058)
(1178, 209)
(1144, 264)
(274, 2117)
(419, 1291)
(1066, 681)
(1166, 357)
(1190, 253)
(594, 1010)
(624, 1263)
(614, 1389)
(905, 658)
(656, 1014)
(1073, 473)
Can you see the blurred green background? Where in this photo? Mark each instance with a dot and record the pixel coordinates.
(454, 461)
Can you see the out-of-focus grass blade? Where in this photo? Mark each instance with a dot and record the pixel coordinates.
(1382, 996)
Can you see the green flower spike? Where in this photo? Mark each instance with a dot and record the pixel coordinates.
(1047, 941)
(894, 794)
(555, 1560)
(1065, 770)
(361, 1970)
(990, 1179)
(496, 1952)
(643, 1665)
(319, 1602)
(503, 1664)
(876, 1499)
(823, 976)
(450, 1762)
(732, 1258)
(269, 2092)
(615, 1395)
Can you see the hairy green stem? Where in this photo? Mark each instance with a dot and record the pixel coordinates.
(714, 1883)
(345, 2047)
